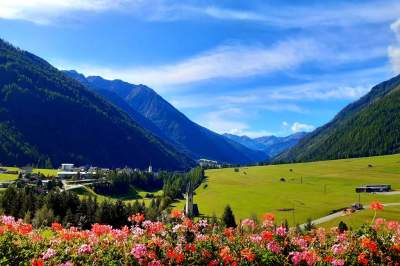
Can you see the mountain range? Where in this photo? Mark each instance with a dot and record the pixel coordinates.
(53, 116)
(46, 116)
(157, 115)
(270, 145)
(367, 127)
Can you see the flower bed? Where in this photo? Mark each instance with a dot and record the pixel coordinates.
(180, 241)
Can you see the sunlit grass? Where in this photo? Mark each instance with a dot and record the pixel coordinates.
(313, 189)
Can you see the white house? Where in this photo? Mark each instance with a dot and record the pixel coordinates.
(67, 167)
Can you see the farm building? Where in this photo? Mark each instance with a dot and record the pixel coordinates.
(373, 188)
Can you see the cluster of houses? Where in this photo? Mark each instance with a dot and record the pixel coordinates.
(68, 171)
(128, 170)
(26, 176)
(205, 163)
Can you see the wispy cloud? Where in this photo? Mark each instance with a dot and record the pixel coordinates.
(300, 127)
(46, 11)
(233, 61)
(394, 50)
(230, 120)
(319, 91)
(334, 14)
(227, 61)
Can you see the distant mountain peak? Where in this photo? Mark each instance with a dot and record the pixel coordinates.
(272, 145)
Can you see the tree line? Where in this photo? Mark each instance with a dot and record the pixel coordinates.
(42, 207)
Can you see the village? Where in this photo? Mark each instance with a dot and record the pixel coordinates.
(67, 176)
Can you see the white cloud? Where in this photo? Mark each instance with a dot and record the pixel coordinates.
(45, 11)
(336, 14)
(394, 51)
(299, 127)
(344, 14)
(228, 61)
(226, 121)
(318, 91)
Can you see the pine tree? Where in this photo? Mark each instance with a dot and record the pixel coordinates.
(228, 218)
(342, 227)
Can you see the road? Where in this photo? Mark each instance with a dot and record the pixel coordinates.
(67, 186)
(341, 213)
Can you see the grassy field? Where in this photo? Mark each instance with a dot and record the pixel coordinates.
(313, 189)
(46, 172)
(86, 192)
(355, 220)
(7, 177)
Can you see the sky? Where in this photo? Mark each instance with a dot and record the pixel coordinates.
(250, 68)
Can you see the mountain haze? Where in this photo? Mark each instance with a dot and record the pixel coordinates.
(270, 145)
(45, 115)
(193, 139)
(367, 127)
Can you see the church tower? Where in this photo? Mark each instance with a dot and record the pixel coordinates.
(189, 200)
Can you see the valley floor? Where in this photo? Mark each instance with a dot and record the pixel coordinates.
(309, 190)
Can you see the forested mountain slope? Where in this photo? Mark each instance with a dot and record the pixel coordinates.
(46, 115)
(367, 127)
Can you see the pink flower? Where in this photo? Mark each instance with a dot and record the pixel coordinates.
(297, 257)
(378, 223)
(311, 257)
(300, 242)
(337, 262)
(85, 249)
(248, 223)
(274, 247)
(392, 225)
(68, 263)
(155, 263)
(281, 231)
(338, 249)
(256, 238)
(203, 223)
(48, 254)
(139, 251)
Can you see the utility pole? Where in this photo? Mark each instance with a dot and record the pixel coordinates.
(301, 180)
(324, 189)
(294, 218)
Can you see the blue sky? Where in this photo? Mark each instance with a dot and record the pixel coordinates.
(244, 67)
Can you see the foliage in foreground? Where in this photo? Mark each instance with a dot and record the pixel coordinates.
(179, 240)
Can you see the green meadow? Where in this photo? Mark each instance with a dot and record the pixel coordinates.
(85, 192)
(309, 190)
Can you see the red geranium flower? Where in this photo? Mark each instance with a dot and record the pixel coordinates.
(376, 206)
(37, 262)
(176, 214)
(24, 229)
(180, 258)
(362, 259)
(369, 244)
(267, 235)
(268, 217)
(56, 226)
(247, 254)
(137, 218)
